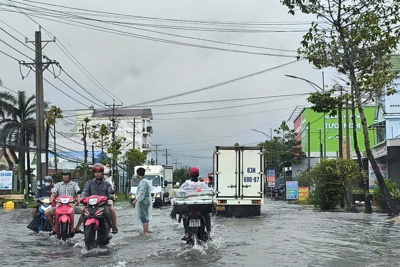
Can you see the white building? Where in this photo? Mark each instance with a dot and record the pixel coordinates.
(132, 124)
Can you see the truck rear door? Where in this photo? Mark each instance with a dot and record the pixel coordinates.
(251, 173)
(227, 172)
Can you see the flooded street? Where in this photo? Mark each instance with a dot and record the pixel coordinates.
(284, 235)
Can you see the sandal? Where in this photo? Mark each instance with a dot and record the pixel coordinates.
(114, 230)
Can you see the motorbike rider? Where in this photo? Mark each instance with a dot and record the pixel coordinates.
(64, 188)
(45, 191)
(195, 184)
(99, 186)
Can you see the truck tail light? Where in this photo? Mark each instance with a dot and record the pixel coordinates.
(221, 201)
(256, 202)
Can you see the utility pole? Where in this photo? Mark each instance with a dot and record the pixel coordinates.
(156, 150)
(166, 156)
(113, 129)
(55, 151)
(323, 91)
(39, 124)
(309, 146)
(348, 155)
(176, 164)
(340, 121)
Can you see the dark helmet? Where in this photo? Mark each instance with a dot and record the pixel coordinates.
(48, 178)
(98, 167)
(66, 172)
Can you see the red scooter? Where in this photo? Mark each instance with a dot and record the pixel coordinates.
(64, 217)
(96, 222)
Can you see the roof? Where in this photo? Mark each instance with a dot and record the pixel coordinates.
(129, 112)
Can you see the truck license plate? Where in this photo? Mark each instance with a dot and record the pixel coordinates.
(194, 223)
(220, 208)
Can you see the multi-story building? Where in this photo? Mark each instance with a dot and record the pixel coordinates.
(387, 124)
(313, 142)
(132, 124)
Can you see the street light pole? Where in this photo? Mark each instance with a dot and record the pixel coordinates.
(316, 88)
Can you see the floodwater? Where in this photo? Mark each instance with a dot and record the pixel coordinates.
(284, 235)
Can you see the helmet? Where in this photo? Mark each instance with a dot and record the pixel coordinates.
(194, 170)
(177, 184)
(98, 167)
(48, 178)
(66, 172)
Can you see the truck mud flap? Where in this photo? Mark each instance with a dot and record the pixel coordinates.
(239, 211)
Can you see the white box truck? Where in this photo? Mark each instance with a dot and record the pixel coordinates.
(161, 177)
(239, 180)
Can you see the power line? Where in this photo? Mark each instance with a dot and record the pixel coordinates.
(10, 56)
(65, 93)
(215, 85)
(123, 33)
(82, 68)
(222, 100)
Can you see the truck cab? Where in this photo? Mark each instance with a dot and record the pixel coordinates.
(161, 178)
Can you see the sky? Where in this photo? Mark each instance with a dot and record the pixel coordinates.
(211, 71)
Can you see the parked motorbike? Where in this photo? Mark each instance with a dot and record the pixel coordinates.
(64, 217)
(96, 223)
(40, 223)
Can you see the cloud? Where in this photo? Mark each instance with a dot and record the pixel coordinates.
(136, 70)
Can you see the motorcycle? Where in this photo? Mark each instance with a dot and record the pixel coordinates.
(40, 223)
(96, 223)
(64, 217)
(191, 206)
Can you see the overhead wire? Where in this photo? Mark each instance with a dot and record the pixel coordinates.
(214, 85)
(124, 33)
(82, 68)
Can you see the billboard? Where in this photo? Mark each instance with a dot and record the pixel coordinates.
(271, 178)
(6, 180)
(332, 130)
(292, 190)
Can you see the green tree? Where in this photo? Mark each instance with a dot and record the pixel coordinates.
(84, 132)
(114, 149)
(101, 135)
(6, 101)
(51, 117)
(332, 180)
(283, 149)
(132, 158)
(18, 127)
(355, 39)
(180, 175)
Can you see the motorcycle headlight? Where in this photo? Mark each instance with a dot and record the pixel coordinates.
(92, 201)
(133, 196)
(158, 195)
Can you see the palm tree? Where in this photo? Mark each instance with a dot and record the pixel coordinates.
(18, 127)
(6, 99)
